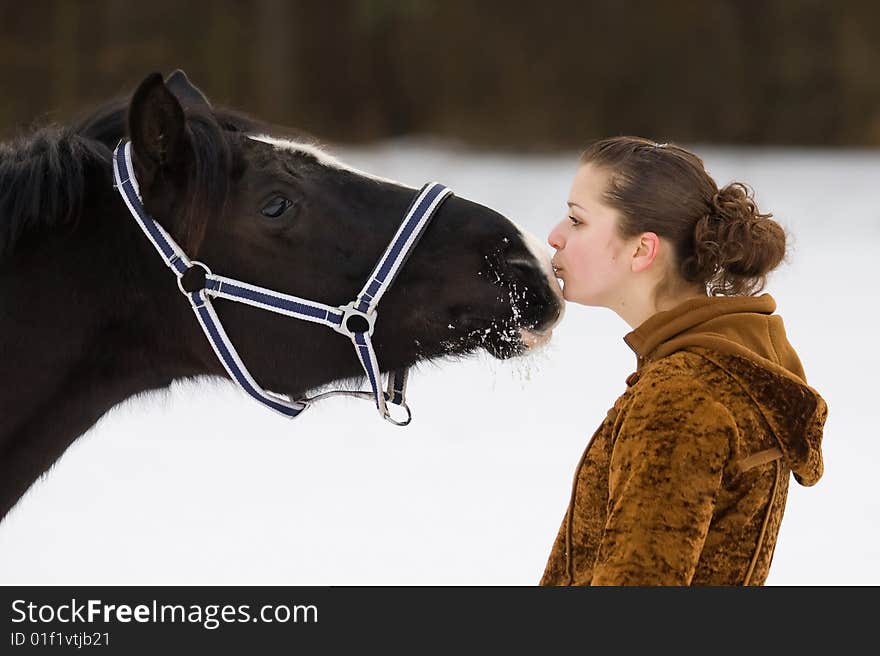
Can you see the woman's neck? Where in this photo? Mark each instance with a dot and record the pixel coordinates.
(635, 311)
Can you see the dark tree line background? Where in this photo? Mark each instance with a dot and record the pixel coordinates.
(491, 73)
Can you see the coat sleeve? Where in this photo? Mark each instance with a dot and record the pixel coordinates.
(665, 471)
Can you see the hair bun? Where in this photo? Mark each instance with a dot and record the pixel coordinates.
(735, 244)
(735, 202)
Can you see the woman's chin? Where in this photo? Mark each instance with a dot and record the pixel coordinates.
(568, 294)
(572, 295)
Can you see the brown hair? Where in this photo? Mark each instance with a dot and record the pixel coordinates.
(720, 239)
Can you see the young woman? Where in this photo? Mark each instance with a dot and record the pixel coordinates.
(685, 480)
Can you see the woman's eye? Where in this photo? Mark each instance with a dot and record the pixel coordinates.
(574, 221)
(276, 207)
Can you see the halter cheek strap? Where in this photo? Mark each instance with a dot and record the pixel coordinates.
(355, 320)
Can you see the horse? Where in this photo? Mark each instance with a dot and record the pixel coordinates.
(90, 317)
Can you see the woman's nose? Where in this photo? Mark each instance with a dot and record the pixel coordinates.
(555, 238)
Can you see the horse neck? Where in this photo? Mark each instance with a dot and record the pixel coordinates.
(90, 318)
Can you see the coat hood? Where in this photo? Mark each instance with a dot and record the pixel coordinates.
(742, 336)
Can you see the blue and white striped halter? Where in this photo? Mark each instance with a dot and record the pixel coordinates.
(355, 320)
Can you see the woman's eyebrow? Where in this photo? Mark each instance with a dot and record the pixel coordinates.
(573, 204)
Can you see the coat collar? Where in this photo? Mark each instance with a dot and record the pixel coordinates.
(667, 324)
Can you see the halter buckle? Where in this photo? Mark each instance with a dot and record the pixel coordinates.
(351, 312)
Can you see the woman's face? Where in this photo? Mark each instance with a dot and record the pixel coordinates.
(591, 260)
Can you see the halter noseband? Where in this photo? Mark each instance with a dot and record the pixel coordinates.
(355, 320)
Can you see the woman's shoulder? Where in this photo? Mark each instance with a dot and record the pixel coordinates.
(683, 368)
(681, 382)
(697, 383)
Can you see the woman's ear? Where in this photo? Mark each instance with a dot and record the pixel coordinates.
(647, 249)
(156, 125)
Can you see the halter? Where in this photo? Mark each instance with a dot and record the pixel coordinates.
(355, 320)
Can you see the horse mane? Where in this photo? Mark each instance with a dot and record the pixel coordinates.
(44, 175)
(43, 181)
(108, 123)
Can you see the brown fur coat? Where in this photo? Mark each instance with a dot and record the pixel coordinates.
(685, 481)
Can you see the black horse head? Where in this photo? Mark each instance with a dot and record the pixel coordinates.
(284, 215)
(96, 317)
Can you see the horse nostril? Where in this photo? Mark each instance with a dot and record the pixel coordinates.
(516, 270)
(522, 263)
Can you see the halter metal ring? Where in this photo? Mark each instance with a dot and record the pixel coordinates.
(180, 277)
(349, 311)
(387, 416)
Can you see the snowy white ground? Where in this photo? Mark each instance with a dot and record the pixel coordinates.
(199, 485)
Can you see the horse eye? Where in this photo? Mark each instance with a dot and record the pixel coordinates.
(276, 207)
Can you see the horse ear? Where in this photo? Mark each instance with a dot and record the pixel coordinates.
(185, 91)
(156, 124)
